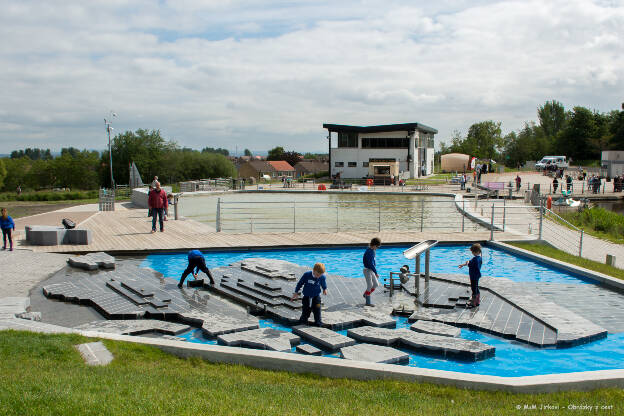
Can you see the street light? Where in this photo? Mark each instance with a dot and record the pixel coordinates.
(110, 152)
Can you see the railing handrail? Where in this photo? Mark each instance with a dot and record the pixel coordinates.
(561, 219)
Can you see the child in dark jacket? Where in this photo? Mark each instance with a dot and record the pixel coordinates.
(7, 225)
(474, 269)
(312, 283)
(370, 270)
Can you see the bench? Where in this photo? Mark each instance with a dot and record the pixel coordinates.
(48, 235)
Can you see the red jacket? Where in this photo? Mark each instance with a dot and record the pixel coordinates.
(157, 199)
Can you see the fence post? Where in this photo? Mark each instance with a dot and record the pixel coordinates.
(463, 213)
(541, 220)
(583, 187)
(504, 213)
(218, 214)
(176, 201)
(379, 214)
(251, 224)
(422, 214)
(294, 216)
(337, 224)
(492, 224)
(581, 244)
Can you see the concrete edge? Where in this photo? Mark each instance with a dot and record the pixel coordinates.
(603, 279)
(337, 368)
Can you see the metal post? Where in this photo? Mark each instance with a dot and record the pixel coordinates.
(541, 222)
(583, 187)
(581, 244)
(463, 213)
(427, 256)
(176, 201)
(251, 224)
(218, 214)
(492, 224)
(422, 214)
(504, 213)
(294, 216)
(379, 216)
(337, 224)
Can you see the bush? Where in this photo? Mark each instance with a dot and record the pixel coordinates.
(599, 219)
(49, 196)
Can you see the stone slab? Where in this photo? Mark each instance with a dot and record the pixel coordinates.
(214, 324)
(323, 337)
(31, 316)
(263, 338)
(374, 354)
(308, 349)
(95, 353)
(11, 306)
(274, 269)
(421, 342)
(33, 326)
(135, 327)
(92, 261)
(437, 328)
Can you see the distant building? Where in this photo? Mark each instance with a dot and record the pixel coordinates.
(282, 168)
(259, 168)
(310, 167)
(404, 150)
(612, 163)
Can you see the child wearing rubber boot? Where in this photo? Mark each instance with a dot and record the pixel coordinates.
(196, 262)
(474, 269)
(370, 270)
(312, 283)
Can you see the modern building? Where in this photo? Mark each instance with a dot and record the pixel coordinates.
(403, 150)
(612, 163)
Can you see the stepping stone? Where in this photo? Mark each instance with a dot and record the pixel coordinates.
(273, 269)
(308, 350)
(417, 341)
(324, 337)
(437, 328)
(374, 354)
(263, 338)
(92, 261)
(95, 353)
(214, 324)
(135, 327)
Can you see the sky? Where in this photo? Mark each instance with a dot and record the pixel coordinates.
(257, 74)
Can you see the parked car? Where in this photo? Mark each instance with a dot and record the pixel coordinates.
(550, 161)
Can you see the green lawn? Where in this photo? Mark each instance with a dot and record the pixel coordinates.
(44, 374)
(549, 251)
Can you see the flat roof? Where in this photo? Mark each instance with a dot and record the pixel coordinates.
(381, 128)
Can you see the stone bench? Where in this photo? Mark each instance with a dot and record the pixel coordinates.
(48, 235)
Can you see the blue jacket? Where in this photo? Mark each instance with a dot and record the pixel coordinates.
(311, 285)
(7, 223)
(193, 254)
(369, 260)
(474, 267)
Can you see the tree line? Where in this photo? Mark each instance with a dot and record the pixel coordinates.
(34, 169)
(580, 134)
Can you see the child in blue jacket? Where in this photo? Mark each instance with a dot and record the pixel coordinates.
(370, 270)
(7, 225)
(474, 269)
(312, 283)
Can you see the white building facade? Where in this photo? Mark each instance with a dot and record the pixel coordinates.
(409, 144)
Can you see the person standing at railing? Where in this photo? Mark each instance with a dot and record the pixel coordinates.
(518, 182)
(370, 270)
(555, 184)
(158, 203)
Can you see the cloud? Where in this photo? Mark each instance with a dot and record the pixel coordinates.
(257, 75)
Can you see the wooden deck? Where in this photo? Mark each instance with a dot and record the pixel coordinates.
(127, 232)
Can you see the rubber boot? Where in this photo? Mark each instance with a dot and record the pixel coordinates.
(478, 300)
(368, 301)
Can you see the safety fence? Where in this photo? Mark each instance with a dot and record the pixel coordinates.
(209, 185)
(341, 215)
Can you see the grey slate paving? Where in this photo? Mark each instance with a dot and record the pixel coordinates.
(323, 337)
(434, 344)
(135, 327)
(374, 353)
(214, 324)
(436, 328)
(263, 338)
(92, 261)
(308, 349)
(95, 353)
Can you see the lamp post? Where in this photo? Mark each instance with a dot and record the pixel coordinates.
(110, 153)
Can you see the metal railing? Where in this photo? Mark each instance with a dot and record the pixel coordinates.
(106, 200)
(340, 215)
(207, 185)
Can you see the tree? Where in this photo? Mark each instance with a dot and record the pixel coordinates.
(219, 150)
(291, 157)
(552, 118)
(247, 152)
(277, 153)
(483, 140)
(575, 141)
(616, 127)
(3, 173)
(16, 172)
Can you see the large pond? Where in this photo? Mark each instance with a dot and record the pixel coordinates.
(325, 212)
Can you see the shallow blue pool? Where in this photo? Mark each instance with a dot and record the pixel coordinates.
(512, 358)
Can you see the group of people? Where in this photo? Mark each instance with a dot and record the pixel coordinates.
(312, 283)
(158, 202)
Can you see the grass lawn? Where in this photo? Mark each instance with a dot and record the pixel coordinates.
(44, 374)
(546, 250)
(17, 209)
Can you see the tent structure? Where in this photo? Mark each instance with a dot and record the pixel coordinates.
(135, 177)
(455, 162)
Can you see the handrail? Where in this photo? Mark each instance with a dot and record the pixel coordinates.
(561, 219)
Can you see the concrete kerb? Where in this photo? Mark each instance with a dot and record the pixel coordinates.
(487, 223)
(336, 368)
(603, 279)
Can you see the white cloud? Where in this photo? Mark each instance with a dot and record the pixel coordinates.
(258, 75)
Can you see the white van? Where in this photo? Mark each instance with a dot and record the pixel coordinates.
(559, 161)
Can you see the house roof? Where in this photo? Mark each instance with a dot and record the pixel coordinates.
(280, 165)
(380, 128)
(261, 166)
(312, 165)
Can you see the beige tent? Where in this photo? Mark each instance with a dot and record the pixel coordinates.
(455, 162)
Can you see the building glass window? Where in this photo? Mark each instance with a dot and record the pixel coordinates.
(364, 164)
(352, 164)
(347, 139)
(339, 164)
(385, 142)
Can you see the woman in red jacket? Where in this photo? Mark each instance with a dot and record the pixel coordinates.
(157, 202)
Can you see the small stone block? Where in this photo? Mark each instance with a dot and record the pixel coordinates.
(429, 327)
(195, 283)
(308, 350)
(263, 338)
(374, 354)
(95, 353)
(326, 338)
